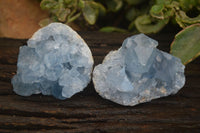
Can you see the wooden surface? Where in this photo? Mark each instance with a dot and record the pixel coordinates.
(87, 111)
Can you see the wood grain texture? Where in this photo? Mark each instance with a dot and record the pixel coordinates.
(87, 111)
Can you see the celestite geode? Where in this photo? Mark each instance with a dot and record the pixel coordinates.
(138, 72)
(56, 62)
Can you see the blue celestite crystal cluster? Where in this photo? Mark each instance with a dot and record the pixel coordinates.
(138, 72)
(56, 62)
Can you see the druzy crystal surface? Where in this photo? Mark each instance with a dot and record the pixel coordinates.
(56, 62)
(138, 72)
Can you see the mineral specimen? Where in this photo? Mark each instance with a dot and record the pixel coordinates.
(56, 62)
(138, 72)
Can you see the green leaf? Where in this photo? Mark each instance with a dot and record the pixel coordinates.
(90, 13)
(183, 19)
(186, 44)
(48, 4)
(45, 22)
(187, 5)
(160, 1)
(63, 14)
(114, 5)
(146, 24)
(179, 21)
(112, 29)
(169, 13)
(101, 8)
(70, 19)
(81, 4)
(157, 8)
(173, 5)
(157, 11)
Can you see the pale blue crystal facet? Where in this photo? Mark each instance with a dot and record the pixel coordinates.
(56, 62)
(138, 72)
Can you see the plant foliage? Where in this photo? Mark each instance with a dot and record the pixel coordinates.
(186, 44)
(147, 16)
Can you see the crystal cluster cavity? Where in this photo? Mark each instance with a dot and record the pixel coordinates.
(138, 72)
(56, 62)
